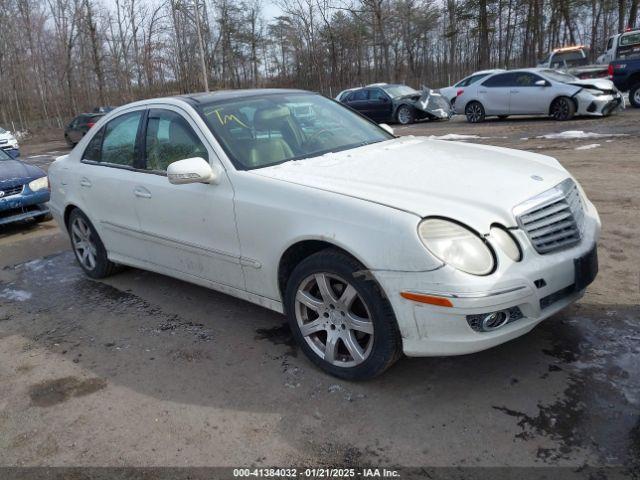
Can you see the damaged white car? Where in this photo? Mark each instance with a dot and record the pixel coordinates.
(372, 245)
(538, 91)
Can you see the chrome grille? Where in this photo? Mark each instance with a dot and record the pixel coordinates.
(8, 191)
(553, 220)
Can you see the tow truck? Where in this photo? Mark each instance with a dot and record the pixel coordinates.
(574, 60)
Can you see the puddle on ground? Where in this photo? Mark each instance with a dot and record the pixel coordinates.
(52, 392)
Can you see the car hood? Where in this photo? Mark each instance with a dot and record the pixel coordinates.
(15, 172)
(597, 83)
(476, 184)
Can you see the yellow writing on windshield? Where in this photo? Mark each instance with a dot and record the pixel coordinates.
(226, 118)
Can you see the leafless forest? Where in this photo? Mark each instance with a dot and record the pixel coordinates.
(60, 57)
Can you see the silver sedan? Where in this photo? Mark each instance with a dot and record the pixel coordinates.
(537, 91)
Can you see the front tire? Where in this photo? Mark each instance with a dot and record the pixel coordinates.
(634, 95)
(563, 109)
(474, 112)
(405, 115)
(87, 247)
(340, 318)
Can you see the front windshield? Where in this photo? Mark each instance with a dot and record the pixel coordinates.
(398, 90)
(560, 76)
(264, 130)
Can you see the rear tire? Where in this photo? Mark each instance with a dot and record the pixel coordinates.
(87, 247)
(634, 95)
(404, 115)
(340, 318)
(474, 112)
(563, 109)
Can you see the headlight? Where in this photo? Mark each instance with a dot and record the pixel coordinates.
(457, 246)
(506, 242)
(595, 93)
(39, 184)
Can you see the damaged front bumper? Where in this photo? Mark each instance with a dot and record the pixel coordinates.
(599, 105)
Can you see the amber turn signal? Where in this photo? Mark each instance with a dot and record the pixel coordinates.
(430, 299)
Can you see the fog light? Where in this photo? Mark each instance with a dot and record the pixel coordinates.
(488, 322)
(495, 320)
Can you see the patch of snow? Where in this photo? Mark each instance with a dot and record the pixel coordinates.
(578, 134)
(588, 147)
(18, 295)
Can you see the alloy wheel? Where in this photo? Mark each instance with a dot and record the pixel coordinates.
(636, 96)
(404, 116)
(334, 320)
(83, 246)
(474, 112)
(561, 109)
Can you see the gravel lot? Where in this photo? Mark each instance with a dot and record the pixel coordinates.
(146, 370)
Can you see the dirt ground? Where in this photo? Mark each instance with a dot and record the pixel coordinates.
(146, 370)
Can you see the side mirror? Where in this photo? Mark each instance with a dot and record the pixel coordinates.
(541, 83)
(191, 170)
(386, 128)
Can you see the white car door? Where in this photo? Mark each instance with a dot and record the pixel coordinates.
(527, 98)
(494, 94)
(106, 178)
(187, 228)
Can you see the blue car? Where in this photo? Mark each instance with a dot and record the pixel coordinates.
(24, 191)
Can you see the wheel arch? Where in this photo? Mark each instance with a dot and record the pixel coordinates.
(298, 251)
(67, 213)
(564, 95)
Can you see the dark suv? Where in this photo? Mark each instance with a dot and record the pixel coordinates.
(79, 126)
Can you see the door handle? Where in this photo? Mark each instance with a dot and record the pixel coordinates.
(515, 91)
(482, 91)
(85, 182)
(141, 192)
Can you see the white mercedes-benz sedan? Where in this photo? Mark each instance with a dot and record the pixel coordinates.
(372, 245)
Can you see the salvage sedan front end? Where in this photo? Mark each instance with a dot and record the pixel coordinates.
(599, 101)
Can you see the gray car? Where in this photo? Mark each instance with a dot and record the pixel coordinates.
(538, 91)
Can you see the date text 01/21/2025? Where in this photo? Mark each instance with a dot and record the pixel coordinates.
(315, 472)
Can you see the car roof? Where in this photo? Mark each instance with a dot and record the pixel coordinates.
(203, 98)
(492, 70)
(219, 95)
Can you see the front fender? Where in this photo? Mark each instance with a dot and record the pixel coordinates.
(274, 214)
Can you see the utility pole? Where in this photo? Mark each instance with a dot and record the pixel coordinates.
(205, 76)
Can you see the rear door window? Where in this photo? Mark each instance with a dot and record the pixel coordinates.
(501, 80)
(359, 96)
(119, 140)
